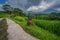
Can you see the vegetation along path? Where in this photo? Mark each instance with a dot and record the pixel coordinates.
(16, 32)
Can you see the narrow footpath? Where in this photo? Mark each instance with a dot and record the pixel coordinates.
(16, 32)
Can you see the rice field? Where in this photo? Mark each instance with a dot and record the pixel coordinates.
(51, 26)
(44, 31)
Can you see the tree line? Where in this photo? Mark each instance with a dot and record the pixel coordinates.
(51, 16)
(8, 9)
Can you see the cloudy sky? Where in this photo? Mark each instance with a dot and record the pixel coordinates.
(34, 5)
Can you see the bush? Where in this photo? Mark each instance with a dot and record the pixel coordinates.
(21, 19)
(26, 18)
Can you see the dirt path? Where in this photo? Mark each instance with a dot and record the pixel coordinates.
(17, 33)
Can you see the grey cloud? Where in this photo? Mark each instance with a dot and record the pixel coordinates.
(17, 3)
(28, 4)
(43, 5)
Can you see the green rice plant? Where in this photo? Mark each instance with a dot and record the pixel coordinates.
(38, 32)
(51, 26)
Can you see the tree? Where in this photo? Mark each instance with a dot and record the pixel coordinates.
(18, 11)
(7, 8)
(53, 16)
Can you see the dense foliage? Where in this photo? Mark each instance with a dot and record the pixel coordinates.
(3, 30)
(51, 16)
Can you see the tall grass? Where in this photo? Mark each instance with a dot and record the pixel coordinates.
(37, 31)
(51, 26)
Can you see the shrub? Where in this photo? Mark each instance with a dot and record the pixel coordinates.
(21, 19)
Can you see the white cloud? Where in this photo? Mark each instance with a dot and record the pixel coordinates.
(17, 3)
(41, 7)
(58, 9)
(0, 6)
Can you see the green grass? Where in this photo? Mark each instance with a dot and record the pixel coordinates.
(4, 15)
(37, 31)
(51, 26)
(21, 19)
